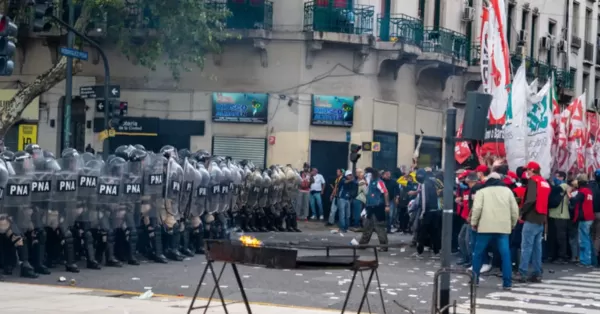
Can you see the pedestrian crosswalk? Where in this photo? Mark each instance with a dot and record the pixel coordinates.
(578, 293)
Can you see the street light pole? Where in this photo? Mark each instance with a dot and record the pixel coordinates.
(68, 83)
(106, 147)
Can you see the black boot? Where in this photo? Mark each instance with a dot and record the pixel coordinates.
(155, 236)
(185, 240)
(132, 239)
(171, 242)
(39, 251)
(111, 261)
(198, 235)
(294, 222)
(27, 270)
(69, 251)
(88, 241)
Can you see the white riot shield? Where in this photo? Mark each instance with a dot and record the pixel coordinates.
(87, 185)
(64, 191)
(17, 200)
(108, 196)
(154, 184)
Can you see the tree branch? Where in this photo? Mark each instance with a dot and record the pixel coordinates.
(11, 111)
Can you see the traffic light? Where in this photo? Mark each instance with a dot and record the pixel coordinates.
(123, 106)
(8, 31)
(41, 10)
(354, 155)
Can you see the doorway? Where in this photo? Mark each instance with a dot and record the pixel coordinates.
(77, 127)
(328, 156)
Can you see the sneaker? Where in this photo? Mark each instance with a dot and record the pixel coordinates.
(519, 278)
(417, 255)
(435, 255)
(506, 288)
(321, 217)
(313, 217)
(485, 268)
(535, 279)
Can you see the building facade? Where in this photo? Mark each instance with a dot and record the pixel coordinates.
(308, 78)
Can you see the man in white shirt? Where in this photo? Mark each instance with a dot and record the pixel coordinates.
(317, 188)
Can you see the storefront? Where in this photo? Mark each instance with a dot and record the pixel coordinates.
(241, 148)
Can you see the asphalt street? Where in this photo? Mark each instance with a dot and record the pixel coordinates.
(404, 279)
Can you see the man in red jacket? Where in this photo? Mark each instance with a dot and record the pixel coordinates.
(463, 210)
(582, 202)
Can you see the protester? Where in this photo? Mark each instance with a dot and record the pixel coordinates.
(377, 205)
(429, 217)
(303, 202)
(348, 188)
(393, 192)
(482, 172)
(360, 200)
(534, 212)
(582, 203)
(559, 222)
(317, 188)
(595, 187)
(339, 175)
(470, 179)
(494, 214)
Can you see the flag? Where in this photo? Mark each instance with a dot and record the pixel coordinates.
(495, 69)
(462, 152)
(555, 121)
(515, 129)
(592, 152)
(540, 131)
(577, 134)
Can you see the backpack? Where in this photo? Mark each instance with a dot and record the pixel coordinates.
(556, 197)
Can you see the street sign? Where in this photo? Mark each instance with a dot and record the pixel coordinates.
(74, 53)
(376, 147)
(100, 105)
(88, 92)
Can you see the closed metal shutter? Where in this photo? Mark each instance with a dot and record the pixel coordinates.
(387, 158)
(240, 148)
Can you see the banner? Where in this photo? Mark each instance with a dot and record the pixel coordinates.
(240, 108)
(515, 129)
(495, 75)
(540, 131)
(462, 152)
(592, 150)
(577, 129)
(556, 116)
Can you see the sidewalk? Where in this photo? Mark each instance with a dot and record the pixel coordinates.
(24, 299)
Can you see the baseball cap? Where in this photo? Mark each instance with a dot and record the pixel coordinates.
(532, 165)
(348, 172)
(512, 175)
(464, 174)
(482, 168)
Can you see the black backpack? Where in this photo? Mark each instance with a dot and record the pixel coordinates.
(557, 195)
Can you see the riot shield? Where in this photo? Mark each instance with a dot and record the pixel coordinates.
(265, 189)
(64, 190)
(132, 185)
(272, 198)
(170, 212)
(280, 185)
(108, 194)
(153, 185)
(41, 191)
(191, 182)
(254, 183)
(3, 181)
(236, 177)
(17, 199)
(87, 185)
(226, 188)
(201, 197)
(214, 191)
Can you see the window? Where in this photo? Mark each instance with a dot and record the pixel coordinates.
(511, 12)
(534, 20)
(575, 20)
(524, 19)
(430, 154)
(588, 25)
(586, 81)
(551, 31)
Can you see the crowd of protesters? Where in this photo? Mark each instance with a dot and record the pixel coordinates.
(505, 221)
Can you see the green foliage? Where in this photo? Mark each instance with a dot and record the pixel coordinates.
(178, 33)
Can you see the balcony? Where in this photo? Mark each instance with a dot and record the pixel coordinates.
(339, 22)
(588, 52)
(544, 72)
(444, 51)
(474, 55)
(565, 78)
(400, 28)
(252, 18)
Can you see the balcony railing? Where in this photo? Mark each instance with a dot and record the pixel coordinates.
(544, 72)
(246, 14)
(445, 41)
(566, 78)
(588, 51)
(474, 55)
(328, 18)
(400, 28)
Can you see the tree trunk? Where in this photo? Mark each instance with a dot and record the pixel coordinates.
(11, 111)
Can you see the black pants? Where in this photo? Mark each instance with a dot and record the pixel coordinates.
(403, 219)
(430, 232)
(558, 239)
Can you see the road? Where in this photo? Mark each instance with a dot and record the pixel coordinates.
(565, 289)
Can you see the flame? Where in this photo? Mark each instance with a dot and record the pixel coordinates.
(250, 241)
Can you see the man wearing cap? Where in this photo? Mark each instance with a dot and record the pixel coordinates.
(582, 203)
(482, 171)
(534, 213)
(348, 189)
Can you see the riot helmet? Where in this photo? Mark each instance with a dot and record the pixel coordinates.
(116, 167)
(136, 161)
(85, 157)
(69, 151)
(34, 150)
(109, 158)
(8, 155)
(48, 154)
(184, 153)
(94, 164)
(71, 160)
(50, 165)
(168, 151)
(123, 151)
(22, 163)
(140, 147)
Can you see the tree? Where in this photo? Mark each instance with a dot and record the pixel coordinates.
(179, 33)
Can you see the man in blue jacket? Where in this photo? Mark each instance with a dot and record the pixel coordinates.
(347, 190)
(378, 204)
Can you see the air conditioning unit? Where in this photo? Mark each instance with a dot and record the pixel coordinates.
(562, 46)
(545, 42)
(523, 36)
(468, 14)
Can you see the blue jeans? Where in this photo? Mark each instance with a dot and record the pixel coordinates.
(472, 240)
(463, 243)
(357, 207)
(531, 249)
(390, 216)
(344, 210)
(585, 243)
(316, 204)
(483, 239)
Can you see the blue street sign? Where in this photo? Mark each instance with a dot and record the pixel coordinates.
(74, 53)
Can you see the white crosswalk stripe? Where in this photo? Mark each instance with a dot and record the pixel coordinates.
(576, 293)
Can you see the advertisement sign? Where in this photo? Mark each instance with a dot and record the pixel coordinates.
(27, 135)
(240, 108)
(332, 110)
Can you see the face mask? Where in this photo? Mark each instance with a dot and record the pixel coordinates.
(464, 186)
(557, 181)
(518, 184)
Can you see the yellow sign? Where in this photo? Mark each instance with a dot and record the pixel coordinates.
(31, 112)
(376, 146)
(103, 135)
(112, 132)
(27, 135)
